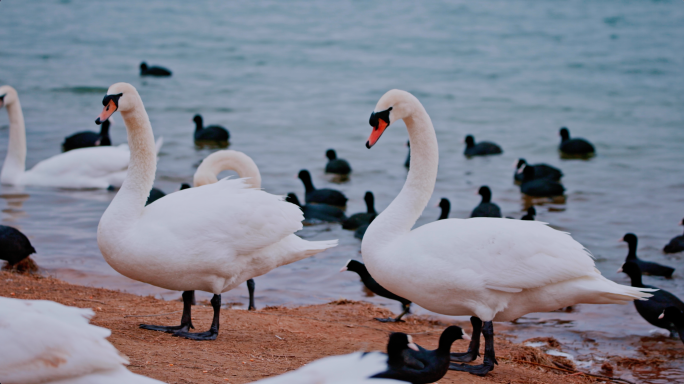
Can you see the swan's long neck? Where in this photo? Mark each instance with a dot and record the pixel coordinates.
(129, 202)
(219, 161)
(402, 213)
(15, 161)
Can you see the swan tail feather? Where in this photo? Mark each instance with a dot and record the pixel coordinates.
(615, 293)
(315, 247)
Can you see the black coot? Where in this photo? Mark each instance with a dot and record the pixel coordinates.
(574, 147)
(482, 148)
(373, 286)
(314, 213)
(422, 366)
(531, 213)
(486, 208)
(335, 165)
(539, 187)
(647, 267)
(212, 133)
(676, 244)
(321, 196)
(654, 306)
(358, 219)
(541, 171)
(675, 317)
(153, 71)
(445, 205)
(87, 139)
(15, 248)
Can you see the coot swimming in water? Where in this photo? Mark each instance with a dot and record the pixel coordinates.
(358, 219)
(212, 133)
(574, 147)
(539, 187)
(486, 208)
(647, 267)
(335, 165)
(153, 71)
(321, 196)
(87, 139)
(314, 213)
(541, 171)
(483, 148)
(676, 244)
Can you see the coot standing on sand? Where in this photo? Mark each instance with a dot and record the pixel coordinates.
(486, 208)
(539, 187)
(15, 248)
(358, 219)
(373, 286)
(317, 212)
(647, 267)
(676, 244)
(421, 366)
(87, 139)
(213, 133)
(574, 147)
(483, 148)
(541, 171)
(153, 71)
(320, 196)
(675, 317)
(335, 165)
(651, 308)
(531, 213)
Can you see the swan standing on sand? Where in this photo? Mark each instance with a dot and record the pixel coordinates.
(210, 238)
(488, 268)
(46, 342)
(84, 168)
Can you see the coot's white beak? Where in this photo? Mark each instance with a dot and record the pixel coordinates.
(411, 344)
(521, 169)
(343, 269)
(619, 270)
(662, 315)
(466, 337)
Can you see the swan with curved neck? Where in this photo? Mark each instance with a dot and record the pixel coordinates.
(95, 167)
(487, 268)
(227, 160)
(209, 238)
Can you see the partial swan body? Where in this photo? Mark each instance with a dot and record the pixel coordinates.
(489, 268)
(46, 342)
(209, 238)
(84, 168)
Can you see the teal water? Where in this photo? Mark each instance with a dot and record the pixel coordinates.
(291, 79)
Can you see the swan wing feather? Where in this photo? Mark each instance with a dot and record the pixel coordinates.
(352, 368)
(92, 162)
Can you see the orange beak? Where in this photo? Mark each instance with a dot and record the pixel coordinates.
(377, 132)
(107, 111)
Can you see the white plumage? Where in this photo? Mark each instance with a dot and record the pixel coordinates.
(46, 342)
(84, 168)
(354, 368)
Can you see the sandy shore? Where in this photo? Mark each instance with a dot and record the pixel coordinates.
(267, 342)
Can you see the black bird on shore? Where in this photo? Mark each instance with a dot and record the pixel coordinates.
(574, 147)
(15, 248)
(420, 366)
(335, 165)
(541, 171)
(647, 267)
(539, 187)
(483, 148)
(317, 212)
(87, 139)
(373, 286)
(358, 219)
(651, 308)
(531, 213)
(675, 317)
(486, 208)
(153, 71)
(321, 196)
(676, 244)
(211, 133)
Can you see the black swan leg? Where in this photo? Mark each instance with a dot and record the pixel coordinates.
(474, 347)
(250, 288)
(213, 331)
(186, 319)
(406, 309)
(489, 358)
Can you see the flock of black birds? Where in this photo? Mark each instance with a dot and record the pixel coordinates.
(406, 361)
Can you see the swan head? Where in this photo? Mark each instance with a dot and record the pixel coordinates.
(8, 95)
(120, 97)
(392, 106)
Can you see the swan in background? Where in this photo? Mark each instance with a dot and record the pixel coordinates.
(46, 342)
(210, 238)
(84, 168)
(487, 268)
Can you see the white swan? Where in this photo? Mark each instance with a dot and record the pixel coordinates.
(85, 168)
(210, 238)
(46, 342)
(489, 268)
(354, 368)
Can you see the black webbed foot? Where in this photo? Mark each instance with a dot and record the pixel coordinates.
(167, 329)
(199, 336)
(389, 320)
(479, 370)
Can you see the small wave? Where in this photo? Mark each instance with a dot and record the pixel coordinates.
(81, 89)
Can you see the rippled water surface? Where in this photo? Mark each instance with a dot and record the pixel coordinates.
(291, 79)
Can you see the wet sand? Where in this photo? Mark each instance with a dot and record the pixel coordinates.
(274, 340)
